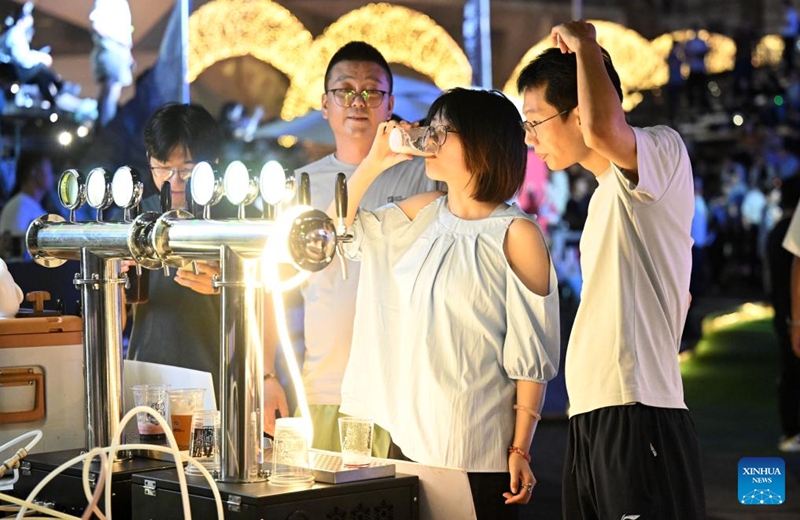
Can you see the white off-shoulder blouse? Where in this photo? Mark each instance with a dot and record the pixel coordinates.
(443, 329)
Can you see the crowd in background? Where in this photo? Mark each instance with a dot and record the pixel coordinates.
(742, 129)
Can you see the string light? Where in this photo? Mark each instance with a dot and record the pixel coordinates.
(224, 29)
(722, 50)
(287, 141)
(272, 34)
(769, 51)
(402, 35)
(638, 65)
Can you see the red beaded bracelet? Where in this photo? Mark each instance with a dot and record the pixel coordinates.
(525, 455)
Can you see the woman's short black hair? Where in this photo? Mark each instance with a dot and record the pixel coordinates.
(558, 73)
(186, 125)
(488, 125)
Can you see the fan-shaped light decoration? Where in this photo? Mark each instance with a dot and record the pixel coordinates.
(638, 65)
(769, 51)
(402, 35)
(224, 29)
(722, 50)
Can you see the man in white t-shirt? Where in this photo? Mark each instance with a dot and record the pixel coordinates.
(633, 450)
(357, 98)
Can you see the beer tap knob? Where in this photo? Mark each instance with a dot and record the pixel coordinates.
(341, 204)
(166, 197)
(304, 190)
(135, 212)
(127, 189)
(98, 191)
(71, 191)
(205, 189)
(340, 200)
(191, 206)
(272, 186)
(166, 205)
(240, 189)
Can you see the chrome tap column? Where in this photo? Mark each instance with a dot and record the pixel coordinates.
(304, 238)
(101, 293)
(99, 246)
(241, 368)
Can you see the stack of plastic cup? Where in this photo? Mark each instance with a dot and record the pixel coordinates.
(290, 461)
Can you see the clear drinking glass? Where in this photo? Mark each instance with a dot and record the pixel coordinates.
(355, 435)
(419, 140)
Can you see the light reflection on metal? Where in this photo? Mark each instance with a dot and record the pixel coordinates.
(271, 270)
(31, 241)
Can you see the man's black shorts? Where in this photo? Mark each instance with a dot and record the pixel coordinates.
(633, 463)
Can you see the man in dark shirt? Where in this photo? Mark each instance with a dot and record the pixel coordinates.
(180, 323)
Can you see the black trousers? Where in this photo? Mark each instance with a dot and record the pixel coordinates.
(624, 461)
(788, 380)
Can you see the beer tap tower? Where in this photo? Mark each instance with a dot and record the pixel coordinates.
(304, 238)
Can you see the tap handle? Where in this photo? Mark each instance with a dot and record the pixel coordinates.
(341, 203)
(304, 191)
(166, 197)
(342, 260)
(191, 206)
(131, 213)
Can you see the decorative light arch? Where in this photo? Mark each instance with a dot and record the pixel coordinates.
(402, 35)
(638, 65)
(224, 29)
(722, 50)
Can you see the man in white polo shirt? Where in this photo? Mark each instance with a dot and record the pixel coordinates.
(633, 450)
(357, 99)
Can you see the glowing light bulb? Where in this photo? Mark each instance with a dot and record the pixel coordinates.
(237, 183)
(65, 138)
(272, 182)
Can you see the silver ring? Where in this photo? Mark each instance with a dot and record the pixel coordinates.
(528, 487)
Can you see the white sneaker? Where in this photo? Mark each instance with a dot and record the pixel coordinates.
(790, 444)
